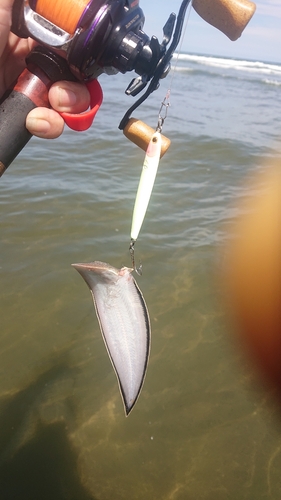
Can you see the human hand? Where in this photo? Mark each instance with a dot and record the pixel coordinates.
(64, 96)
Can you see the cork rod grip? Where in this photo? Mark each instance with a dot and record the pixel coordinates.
(228, 16)
(140, 134)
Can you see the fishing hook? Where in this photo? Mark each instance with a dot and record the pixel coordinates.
(138, 269)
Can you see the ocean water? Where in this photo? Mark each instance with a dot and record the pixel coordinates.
(203, 428)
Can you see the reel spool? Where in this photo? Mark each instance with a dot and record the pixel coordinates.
(63, 13)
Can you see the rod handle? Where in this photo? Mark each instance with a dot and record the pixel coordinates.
(228, 16)
(29, 91)
(140, 134)
(13, 132)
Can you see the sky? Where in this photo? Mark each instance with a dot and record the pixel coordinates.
(260, 41)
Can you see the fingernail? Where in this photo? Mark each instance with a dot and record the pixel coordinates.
(37, 126)
(66, 97)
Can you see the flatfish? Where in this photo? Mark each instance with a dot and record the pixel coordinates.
(124, 322)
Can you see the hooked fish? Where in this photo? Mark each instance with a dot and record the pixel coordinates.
(124, 322)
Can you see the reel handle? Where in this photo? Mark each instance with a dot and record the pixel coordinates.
(228, 16)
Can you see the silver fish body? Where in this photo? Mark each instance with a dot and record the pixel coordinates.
(124, 323)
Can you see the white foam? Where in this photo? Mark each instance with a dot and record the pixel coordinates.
(272, 82)
(237, 64)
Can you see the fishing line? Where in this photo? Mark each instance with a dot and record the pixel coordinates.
(62, 13)
(151, 162)
(180, 46)
(166, 101)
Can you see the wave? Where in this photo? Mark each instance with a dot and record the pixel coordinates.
(214, 74)
(228, 63)
(183, 69)
(272, 82)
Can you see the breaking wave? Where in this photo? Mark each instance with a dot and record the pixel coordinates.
(260, 67)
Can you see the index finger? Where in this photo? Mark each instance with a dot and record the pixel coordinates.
(5, 22)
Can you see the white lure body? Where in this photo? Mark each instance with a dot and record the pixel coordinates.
(149, 171)
(124, 323)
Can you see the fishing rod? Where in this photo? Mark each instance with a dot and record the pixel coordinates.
(81, 39)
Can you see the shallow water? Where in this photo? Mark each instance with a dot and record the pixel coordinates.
(202, 428)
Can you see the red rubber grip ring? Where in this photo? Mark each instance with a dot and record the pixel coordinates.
(83, 121)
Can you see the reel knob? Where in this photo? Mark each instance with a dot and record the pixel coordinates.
(140, 134)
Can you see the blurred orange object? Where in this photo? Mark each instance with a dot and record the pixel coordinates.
(253, 273)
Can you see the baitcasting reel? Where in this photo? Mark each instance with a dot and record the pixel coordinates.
(94, 36)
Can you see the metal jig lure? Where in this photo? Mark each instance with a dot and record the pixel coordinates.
(147, 179)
